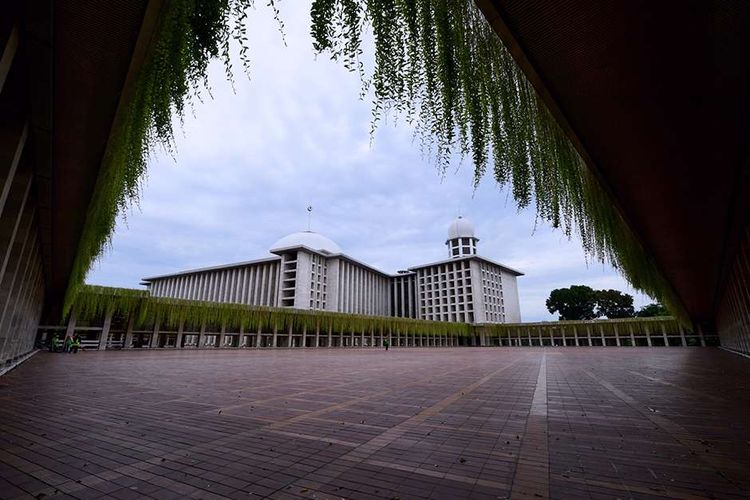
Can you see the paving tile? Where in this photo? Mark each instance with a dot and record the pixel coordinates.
(558, 423)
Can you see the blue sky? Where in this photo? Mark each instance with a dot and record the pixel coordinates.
(295, 134)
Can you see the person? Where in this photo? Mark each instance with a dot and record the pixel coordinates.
(54, 344)
(68, 342)
(76, 344)
(385, 343)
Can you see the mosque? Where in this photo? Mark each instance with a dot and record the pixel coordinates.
(309, 271)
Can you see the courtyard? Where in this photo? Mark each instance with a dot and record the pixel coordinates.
(366, 423)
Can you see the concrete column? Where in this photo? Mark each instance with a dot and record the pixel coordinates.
(601, 334)
(180, 334)
(700, 332)
(304, 336)
(241, 336)
(9, 49)
(664, 334)
(104, 335)
(128, 342)
(682, 335)
(201, 335)
(372, 336)
(362, 338)
(390, 336)
(330, 336)
(290, 336)
(317, 335)
(259, 337)
(351, 339)
(617, 335)
(222, 334)
(648, 334)
(632, 336)
(154, 342)
(71, 328)
(275, 336)
(588, 334)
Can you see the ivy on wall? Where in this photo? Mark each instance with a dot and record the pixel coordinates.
(438, 63)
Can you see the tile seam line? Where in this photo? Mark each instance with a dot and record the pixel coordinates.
(380, 441)
(678, 432)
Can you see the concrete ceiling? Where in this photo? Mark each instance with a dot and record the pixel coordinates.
(656, 96)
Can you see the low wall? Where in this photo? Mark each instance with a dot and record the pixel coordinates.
(107, 318)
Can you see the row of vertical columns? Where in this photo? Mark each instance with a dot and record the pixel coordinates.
(21, 272)
(362, 338)
(253, 285)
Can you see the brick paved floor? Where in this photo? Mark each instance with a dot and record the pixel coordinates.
(408, 423)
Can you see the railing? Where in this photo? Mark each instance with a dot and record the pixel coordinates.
(626, 332)
(631, 332)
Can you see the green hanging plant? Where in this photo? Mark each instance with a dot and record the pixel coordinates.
(437, 62)
(188, 36)
(93, 302)
(440, 64)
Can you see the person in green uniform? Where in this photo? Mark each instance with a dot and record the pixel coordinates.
(76, 343)
(54, 344)
(386, 344)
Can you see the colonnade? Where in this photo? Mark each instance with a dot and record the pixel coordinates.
(654, 332)
(182, 336)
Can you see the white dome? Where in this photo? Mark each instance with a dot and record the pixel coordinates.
(308, 239)
(460, 228)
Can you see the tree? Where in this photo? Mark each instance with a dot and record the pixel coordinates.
(652, 310)
(574, 303)
(614, 304)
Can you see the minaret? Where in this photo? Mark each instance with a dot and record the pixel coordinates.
(461, 240)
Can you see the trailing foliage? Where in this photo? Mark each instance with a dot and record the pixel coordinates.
(439, 63)
(188, 35)
(93, 302)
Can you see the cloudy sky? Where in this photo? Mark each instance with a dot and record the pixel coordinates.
(295, 134)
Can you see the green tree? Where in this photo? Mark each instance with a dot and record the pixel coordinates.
(614, 304)
(652, 310)
(574, 303)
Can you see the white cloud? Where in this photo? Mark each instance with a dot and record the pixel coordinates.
(248, 163)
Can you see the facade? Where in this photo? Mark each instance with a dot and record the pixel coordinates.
(309, 271)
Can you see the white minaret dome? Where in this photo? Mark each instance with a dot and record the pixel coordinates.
(309, 239)
(461, 239)
(460, 228)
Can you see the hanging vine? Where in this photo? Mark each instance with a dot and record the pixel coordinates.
(441, 65)
(188, 36)
(93, 302)
(437, 62)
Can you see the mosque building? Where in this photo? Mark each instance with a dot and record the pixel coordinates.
(309, 271)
